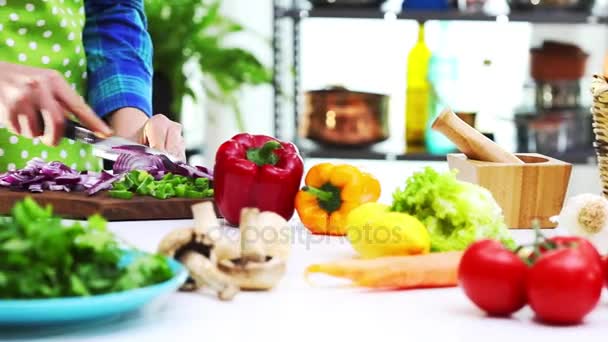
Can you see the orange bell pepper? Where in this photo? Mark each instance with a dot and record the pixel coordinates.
(331, 192)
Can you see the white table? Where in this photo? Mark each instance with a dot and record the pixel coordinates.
(297, 311)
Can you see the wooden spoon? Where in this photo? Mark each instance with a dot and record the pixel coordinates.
(469, 141)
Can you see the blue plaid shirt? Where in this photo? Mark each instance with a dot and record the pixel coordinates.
(119, 56)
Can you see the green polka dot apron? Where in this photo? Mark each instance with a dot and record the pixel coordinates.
(44, 34)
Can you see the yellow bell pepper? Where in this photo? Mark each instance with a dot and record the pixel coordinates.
(331, 192)
(374, 231)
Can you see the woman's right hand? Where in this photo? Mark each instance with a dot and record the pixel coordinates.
(34, 102)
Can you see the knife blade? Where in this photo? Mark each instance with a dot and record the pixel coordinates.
(103, 147)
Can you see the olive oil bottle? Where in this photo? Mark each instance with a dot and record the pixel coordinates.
(418, 93)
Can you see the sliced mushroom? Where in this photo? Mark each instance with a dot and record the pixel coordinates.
(254, 275)
(252, 239)
(276, 235)
(206, 223)
(195, 250)
(206, 274)
(256, 268)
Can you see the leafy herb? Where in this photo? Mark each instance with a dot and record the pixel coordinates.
(41, 257)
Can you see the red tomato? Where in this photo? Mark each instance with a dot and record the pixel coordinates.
(564, 285)
(605, 264)
(575, 241)
(493, 278)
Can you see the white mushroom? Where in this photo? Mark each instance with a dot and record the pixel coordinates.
(194, 250)
(253, 275)
(254, 261)
(226, 246)
(262, 262)
(276, 235)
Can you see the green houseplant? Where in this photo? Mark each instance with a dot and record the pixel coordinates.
(186, 30)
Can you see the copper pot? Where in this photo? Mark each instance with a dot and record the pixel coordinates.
(338, 116)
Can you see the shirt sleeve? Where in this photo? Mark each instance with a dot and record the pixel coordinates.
(119, 56)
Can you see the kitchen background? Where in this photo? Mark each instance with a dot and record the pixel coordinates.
(521, 69)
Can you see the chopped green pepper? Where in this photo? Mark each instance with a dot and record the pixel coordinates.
(142, 183)
(120, 186)
(122, 194)
(202, 182)
(180, 190)
(143, 189)
(194, 194)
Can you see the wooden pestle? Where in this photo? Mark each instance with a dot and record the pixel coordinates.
(469, 141)
(606, 65)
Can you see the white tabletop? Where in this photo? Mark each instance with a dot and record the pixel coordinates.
(297, 310)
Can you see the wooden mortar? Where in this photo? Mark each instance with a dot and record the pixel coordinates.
(527, 187)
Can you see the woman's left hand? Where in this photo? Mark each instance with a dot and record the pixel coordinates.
(163, 134)
(157, 132)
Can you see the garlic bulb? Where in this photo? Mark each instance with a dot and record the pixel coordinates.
(586, 215)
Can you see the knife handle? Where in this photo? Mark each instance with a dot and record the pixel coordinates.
(70, 129)
(78, 133)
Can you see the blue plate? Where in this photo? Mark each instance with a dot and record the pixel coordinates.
(74, 309)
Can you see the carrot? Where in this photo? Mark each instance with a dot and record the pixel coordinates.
(399, 272)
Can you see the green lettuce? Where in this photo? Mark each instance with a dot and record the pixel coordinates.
(455, 213)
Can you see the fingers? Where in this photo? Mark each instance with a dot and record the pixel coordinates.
(155, 131)
(23, 115)
(53, 116)
(30, 122)
(166, 135)
(28, 93)
(13, 124)
(74, 103)
(175, 142)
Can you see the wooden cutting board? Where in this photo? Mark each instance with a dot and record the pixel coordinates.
(77, 205)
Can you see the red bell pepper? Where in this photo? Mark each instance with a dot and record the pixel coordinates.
(256, 171)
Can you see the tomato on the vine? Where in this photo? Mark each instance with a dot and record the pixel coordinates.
(572, 241)
(565, 282)
(493, 278)
(605, 265)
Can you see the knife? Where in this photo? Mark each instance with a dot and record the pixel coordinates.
(103, 147)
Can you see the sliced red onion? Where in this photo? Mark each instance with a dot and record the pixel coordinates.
(55, 169)
(104, 184)
(130, 149)
(35, 188)
(57, 187)
(35, 163)
(34, 180)
(38, 176)
(87, 181)
(69, 179)
(205, 170)
(144, 162)
(193, 172)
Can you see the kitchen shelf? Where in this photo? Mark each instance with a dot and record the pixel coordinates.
(535, 16)
(574, 157)
(287, 66)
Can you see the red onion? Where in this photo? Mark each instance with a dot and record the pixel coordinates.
(38, 176)
(157, 165)
(104, 183)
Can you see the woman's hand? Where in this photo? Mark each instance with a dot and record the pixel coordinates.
(157, 132)
(34, 102)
